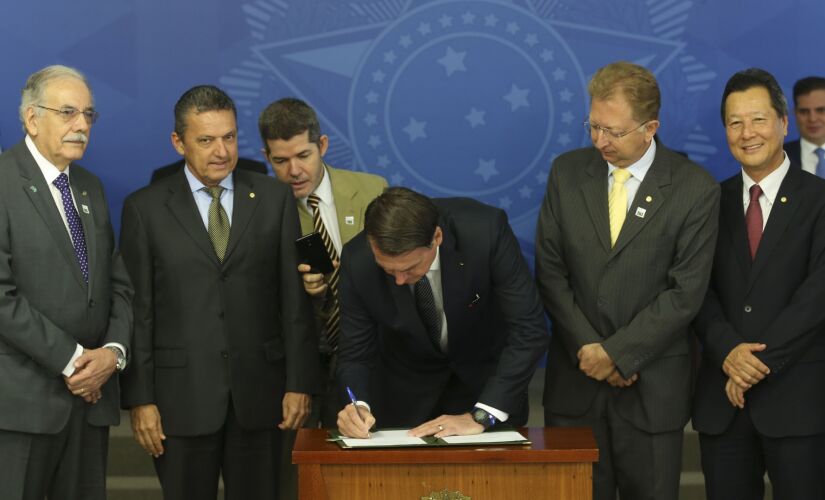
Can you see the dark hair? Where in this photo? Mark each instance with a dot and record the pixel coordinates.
(806, 86)
(200, 99)
(400, 220)
(286, 118)
(755, 77)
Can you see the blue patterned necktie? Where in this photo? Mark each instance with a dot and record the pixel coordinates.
(75, 227)
(820, 165)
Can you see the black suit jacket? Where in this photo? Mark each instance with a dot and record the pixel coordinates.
(206, 331)
(496, 329)
(777, 300)
(794, 151)
(46, 308)
(167, 170)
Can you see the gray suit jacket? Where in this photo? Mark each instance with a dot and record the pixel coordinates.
(636, 298)
(45, 306)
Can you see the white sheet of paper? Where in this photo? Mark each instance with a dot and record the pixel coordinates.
(397, 437)
(486, 438)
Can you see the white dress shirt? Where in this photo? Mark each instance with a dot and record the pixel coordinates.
(329, 215)
(203, 199)
(807, 156)
(638, 171)
(770, 188)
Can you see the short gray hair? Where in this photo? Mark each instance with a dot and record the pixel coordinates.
(32, 93)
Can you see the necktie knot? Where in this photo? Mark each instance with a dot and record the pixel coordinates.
(313, 201)
(621, 175)
(215, 192)
(755, 192)
(62, 181)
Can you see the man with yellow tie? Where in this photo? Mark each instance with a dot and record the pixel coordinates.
(624, 248)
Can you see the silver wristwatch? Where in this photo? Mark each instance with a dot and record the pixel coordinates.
(121, 359)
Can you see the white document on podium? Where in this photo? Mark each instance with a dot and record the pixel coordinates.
(385, 439)
(486, 438)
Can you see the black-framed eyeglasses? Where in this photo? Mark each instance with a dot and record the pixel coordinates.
(69, 113)
(595, 129)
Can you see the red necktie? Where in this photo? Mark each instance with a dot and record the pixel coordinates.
(753, 219)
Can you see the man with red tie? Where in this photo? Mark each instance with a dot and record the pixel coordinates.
(759, 405)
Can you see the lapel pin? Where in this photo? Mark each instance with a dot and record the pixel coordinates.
(784, 199)
(649, 199)
(33, 189)
(474, 301)
(640, 212)
(252, 195)
(460, 264)
(85, 209)
(84, 193)
(349, 220)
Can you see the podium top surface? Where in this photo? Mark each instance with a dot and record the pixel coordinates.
(549, 445)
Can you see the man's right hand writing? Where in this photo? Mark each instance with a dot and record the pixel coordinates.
(147, 428)
(355, 421)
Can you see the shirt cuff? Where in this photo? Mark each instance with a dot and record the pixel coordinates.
(500, 415)
(69, 370)
(364, 404)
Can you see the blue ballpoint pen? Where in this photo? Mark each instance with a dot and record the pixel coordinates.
(354, 400)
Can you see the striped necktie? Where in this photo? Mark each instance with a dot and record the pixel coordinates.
(335, 314)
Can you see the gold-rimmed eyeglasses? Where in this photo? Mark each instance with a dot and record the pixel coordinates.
(69, 113)
(595, 129)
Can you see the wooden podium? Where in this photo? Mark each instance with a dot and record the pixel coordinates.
(557, 465)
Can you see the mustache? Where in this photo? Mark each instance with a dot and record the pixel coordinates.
(76, 137)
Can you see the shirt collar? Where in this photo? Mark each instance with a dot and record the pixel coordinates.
(770, 184)
(806, 147)
(323, 191)
(196, 185)
(436, 265)
(639, 169)
(50, 171)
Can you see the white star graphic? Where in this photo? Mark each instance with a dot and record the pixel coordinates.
(445, 21)
(490, 20)
(468, 18)
(378, 76)
(517, 98)
(505, 202)
(405, 41)
(415, 129)
(397, 179)
(374, 141)
(383, 161)
(559, 74)
(525, 191)
(564, 139)
(389, 57)
(512, 28)
(370, 119)
(546, 55)
(424, 29)
(475, 117)
(567, 117)
(486, 169)
(565, 95)
(531, 39)
(453, 61)
(371, 97)
(541, 177)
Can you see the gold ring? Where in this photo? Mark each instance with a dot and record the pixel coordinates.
(82, 390)
(440, 427)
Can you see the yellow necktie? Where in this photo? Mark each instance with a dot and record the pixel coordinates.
(617, 203)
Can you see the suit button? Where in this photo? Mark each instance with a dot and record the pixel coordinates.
(224, 355)
(91, 302)
(224, 277)
(601, 302)
(220, 315)
(748, 309)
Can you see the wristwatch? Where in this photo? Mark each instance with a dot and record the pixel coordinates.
(120, 364)
(483, 418)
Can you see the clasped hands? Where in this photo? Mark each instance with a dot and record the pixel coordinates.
(356, 421)
(92, 369)
(596, 364)
(314, 283)
(744, 370)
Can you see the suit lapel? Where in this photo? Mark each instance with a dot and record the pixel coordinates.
(346, 208)
(733, 216)
(649, 198)
(182, 205)
(455, 285)
(80, 191)
(782, 213)
(243, 207)
(594, 190)
(35, 187)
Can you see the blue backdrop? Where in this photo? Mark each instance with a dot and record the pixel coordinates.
(453, 98)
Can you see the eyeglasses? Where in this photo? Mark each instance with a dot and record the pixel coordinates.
(69, 113)
(595, 129)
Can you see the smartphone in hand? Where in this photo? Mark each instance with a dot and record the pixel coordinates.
(312, 251)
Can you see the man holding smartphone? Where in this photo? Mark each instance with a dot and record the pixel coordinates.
(330, 202)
